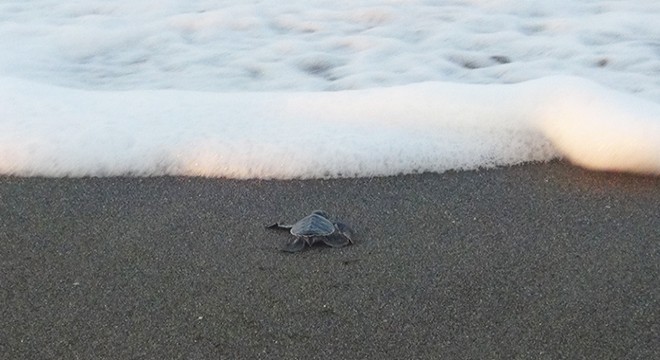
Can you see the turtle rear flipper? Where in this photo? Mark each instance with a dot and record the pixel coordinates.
(279, 226)
(294, 245)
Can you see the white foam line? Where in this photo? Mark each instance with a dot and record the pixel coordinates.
(54, 131)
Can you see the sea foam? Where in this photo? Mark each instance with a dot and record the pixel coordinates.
(47, 130)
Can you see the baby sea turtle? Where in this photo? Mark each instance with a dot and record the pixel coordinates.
(313, 228)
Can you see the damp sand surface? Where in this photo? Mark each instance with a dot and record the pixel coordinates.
(533, 261)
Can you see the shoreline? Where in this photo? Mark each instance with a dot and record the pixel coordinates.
(536, 260)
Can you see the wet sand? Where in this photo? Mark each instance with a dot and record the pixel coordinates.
(534, 261)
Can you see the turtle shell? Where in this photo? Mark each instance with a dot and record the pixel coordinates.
(313, 225)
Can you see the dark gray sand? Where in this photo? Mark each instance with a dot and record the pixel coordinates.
(540, 261)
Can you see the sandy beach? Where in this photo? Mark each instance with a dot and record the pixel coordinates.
(539, 261)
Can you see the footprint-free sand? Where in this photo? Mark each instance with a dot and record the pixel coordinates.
(532, 261)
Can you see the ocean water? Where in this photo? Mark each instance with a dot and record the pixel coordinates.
(308, 89)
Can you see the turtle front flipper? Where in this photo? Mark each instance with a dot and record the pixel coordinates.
(345, 231)
(341, 237)
(294, 245)
(336, 240)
